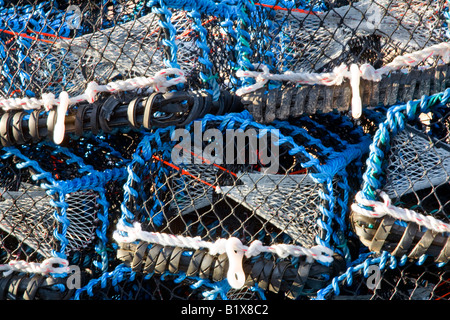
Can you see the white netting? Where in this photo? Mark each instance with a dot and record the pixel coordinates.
(28, 215)
(416, 162)
(311, 41)
(290, 202)
(191, 194)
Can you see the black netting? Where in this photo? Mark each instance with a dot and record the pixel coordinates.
(408, 282)
(63, 45)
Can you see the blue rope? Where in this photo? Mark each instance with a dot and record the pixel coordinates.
(206, 76)
(244, 52)
(165, 23)
(396, 117)
(347, 277)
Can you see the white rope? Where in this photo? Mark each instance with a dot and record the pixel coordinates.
(339, 74)
(233, 248)
(319, 253)
(158, 82)
(44, 267)
(380, 209)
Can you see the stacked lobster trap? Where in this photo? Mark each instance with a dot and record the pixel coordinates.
(401, 210)
(296, 206)
(56, 210)
(171, 149)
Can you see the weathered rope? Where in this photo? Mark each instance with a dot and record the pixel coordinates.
(233, 248)
(45, 267)
(158, 82)
(339, 74)
(379, 209)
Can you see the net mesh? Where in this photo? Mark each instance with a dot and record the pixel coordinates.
(408, 282)
(280, 75)
(59, 45)
(50, 207)
(418, 165)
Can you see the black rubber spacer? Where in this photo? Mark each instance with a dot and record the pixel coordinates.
(5, 129)
(17, 128)
(139, 256)
(33, 125)
(147, 120)
(152, 258)
(132, 112)
(79, 117)
(33, 287)
(196, 261)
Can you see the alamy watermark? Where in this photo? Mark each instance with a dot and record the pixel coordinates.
(234, 146)
(374, 280)
(73, 17)
(73, 277)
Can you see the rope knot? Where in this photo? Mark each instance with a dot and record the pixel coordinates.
(255, 248)
(48, 100)
(368, 72)
(161, 83)
(340, 73)
(91, 91)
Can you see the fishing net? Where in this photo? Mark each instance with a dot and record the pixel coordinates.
(383, 278)
(224, 188)
(407, 171)
(189, 150)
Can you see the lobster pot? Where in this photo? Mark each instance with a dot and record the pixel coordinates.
(227, 176)
(193, 189)
(360, 32)
(408, 173)
(318, 36)
(53, 204)
(69, 44)
(307, 51)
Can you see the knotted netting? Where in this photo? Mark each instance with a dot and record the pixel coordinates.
(401, 212)
(222, 188)
(95, 95)
(57, 209)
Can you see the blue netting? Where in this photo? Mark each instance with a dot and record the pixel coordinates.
(408, 161)
(114, 178)
(55, 204)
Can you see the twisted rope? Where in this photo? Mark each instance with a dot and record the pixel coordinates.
(45, 267)
(127, 234)
(339, 74)
(380, 209)
(357, 267)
